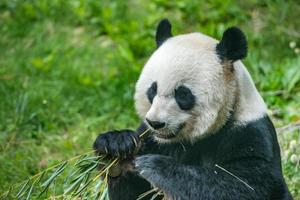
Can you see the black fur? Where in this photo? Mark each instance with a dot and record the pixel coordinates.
(251, 152)
(233, 45)
(152, 91)
(117, 143)
(184, 98)
(129, 187)
(163, 32)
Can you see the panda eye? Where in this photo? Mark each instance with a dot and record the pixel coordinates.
(152, 91)
(184, 98)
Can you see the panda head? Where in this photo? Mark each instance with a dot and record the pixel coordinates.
(188, 88)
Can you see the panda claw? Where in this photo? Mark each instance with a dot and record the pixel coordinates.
(117, 143)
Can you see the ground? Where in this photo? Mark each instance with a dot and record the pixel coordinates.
(68, 70)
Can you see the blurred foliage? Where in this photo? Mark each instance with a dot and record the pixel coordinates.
(68, 70)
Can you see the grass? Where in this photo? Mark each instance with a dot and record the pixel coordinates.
(68, 70)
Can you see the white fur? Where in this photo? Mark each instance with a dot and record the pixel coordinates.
(251, 105)
(191, 60)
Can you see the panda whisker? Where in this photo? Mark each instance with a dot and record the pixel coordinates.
(183, 147)
(172, 132)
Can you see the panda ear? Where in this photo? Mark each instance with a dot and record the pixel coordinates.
(163, 31)
(233, 45)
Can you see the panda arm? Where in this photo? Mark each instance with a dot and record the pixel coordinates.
(124, 183)
(181, 181)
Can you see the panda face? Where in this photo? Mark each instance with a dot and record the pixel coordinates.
(189, 86)
(183, 89)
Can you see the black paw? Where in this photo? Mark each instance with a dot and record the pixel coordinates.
(124, 143)
(153, 167)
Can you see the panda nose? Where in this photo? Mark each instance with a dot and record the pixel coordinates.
(156, 124)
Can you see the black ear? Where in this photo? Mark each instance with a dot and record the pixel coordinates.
(163, 31)
(233, 45)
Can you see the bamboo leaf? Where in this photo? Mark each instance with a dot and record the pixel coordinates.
(29, 192)
(97, 188)
(90, 159)
(91, 168)
(48, 182)
(104, 194)
(41, 176)
(69, 177)
(80, 160)
(22, 189)
(73, 186)
(83, 187)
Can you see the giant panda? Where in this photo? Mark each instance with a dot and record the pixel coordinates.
(209, 133)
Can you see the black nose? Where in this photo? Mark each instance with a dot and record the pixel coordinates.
(155, 124)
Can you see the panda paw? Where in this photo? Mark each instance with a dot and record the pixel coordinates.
(124, 143)
(154, 168)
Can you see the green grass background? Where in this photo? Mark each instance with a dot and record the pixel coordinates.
(68, 70)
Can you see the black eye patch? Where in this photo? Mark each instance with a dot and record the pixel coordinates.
(152, 91)
(184, 98)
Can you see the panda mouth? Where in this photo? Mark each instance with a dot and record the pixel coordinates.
(165, 136)
(170, 134)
